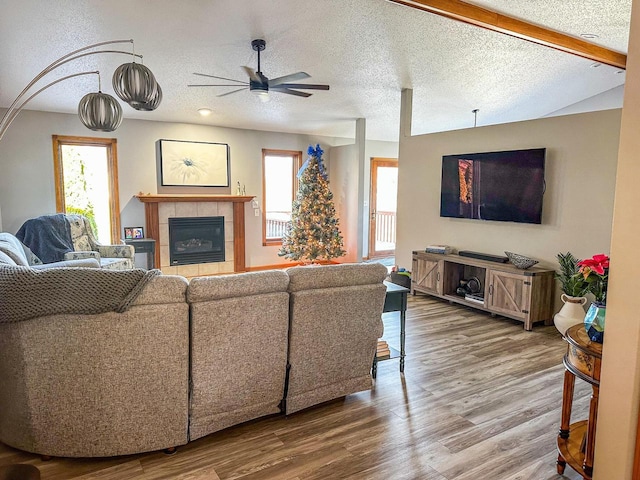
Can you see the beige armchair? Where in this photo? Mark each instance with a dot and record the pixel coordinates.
(85, 245)
(15, 253)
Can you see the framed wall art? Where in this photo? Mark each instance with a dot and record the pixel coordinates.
(194, 164)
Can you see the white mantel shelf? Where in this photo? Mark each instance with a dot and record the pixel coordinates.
(152, 219)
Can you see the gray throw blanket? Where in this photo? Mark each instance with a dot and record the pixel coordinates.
(48, 236)
(26, 293)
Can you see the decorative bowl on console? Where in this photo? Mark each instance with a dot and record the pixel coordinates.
(520, 261)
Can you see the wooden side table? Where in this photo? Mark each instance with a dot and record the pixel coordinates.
(576, 441)
(145, 245)
(395, 301)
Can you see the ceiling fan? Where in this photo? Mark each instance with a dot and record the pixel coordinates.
(261, 85)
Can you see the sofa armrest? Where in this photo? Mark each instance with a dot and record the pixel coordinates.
(82, 255)
(116, 251)
(80, 263)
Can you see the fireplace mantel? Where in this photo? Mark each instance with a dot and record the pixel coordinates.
(156, 198)
(152, 219)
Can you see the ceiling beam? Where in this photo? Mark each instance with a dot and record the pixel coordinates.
(481, 17)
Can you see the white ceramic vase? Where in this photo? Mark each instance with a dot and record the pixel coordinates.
(571, 313)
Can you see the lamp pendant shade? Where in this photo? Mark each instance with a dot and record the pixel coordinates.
(100, 112)
(152, 104)
(135, 84)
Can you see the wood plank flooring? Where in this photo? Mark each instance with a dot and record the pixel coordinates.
(480, 399)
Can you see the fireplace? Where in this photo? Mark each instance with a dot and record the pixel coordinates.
(159, 208)
(196, 240)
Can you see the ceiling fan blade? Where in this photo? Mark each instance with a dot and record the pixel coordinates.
(232, 91)
(308, 86)
(288, 78)
(213, 85)
(252, 74)
(221, 78)
(292, 92)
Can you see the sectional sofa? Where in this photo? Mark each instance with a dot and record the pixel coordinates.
(187, 358)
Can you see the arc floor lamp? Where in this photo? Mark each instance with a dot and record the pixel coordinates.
(134, 83)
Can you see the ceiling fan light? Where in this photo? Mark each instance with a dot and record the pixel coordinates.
(100, 112)
(135, 84)
(263, 95)
(261, 90)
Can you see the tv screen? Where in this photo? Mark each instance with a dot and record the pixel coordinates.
(502, 186)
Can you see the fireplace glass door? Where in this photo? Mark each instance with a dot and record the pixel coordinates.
(196, 240)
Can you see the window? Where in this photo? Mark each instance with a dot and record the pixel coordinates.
(86, 178)
(279, 187)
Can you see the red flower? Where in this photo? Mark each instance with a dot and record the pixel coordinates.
(597, 264)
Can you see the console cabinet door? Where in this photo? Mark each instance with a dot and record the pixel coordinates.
(426, 275)
(509, 293)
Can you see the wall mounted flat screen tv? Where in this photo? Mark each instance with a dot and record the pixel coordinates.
(501, 186)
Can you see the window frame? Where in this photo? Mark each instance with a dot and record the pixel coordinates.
(297, 164)
(112, 170)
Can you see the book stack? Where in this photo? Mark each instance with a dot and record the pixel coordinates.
(383, 351)
(443, 249)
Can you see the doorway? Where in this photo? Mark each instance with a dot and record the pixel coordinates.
(384, 195)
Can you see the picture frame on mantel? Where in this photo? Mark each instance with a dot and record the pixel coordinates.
(194, 164)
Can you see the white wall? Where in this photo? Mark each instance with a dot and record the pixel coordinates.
(26, 167)
(344, 181)
(611, 99)
(578, 203)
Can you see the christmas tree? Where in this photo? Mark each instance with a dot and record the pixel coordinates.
(313, 233)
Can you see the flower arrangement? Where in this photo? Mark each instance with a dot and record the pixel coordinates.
(595, 272)
(572, 283)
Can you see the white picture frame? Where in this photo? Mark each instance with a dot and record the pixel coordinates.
(194, 164)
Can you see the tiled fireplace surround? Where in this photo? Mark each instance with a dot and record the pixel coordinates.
(158, 210)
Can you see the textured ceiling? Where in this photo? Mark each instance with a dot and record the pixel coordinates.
(367, 50)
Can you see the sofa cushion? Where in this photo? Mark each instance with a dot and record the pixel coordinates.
(4, 258)
(334, 276)
(116, 263)
(163, 289)
(80, 263)
(12, 248)
(202, 289)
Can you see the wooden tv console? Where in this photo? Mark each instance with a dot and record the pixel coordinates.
(524, 295)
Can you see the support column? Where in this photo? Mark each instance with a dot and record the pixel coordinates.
(406, 112)
(363, 212)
